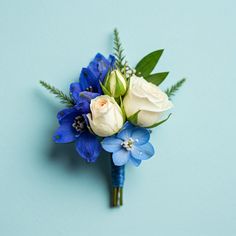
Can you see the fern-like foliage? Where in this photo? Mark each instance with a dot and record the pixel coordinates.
(118, 51)
(174, 88)
(59, 94)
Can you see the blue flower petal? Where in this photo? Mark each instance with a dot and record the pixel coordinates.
(67, 115)
(140, 135)
(88, 146)
(63, 113)
(83, 106)
(89, 95)
(65, 133)
(96, 71)
(125, 134)
(142, 152)
(134, 161)
(87, 79)
(127, 125)
(112, 60)
(99, 66)
(121, 157)
(111, 144)
(75, 89)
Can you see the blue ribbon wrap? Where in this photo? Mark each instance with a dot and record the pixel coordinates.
(117, 175)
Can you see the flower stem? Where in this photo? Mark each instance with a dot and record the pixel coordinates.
(117, 196)
(121, 196)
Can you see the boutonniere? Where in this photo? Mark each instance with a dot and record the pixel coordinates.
(114, 106)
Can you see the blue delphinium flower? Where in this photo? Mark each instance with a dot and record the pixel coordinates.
(91, 76)
(73, 121)
(130, 144)
(73, 128)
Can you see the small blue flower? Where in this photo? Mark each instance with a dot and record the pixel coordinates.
(73, 128)
(91, 76)
(130, 144)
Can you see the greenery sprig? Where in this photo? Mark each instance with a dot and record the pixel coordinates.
(65, 99)
(118, 51)
(174, 88)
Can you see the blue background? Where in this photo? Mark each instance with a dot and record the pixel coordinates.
(187, 189)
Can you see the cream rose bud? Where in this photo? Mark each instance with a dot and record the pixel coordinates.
(148, 99)
(106, 117)
(116, 84)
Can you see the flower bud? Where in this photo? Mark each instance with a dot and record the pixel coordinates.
(116, 84)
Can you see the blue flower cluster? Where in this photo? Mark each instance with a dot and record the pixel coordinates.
(73, 121)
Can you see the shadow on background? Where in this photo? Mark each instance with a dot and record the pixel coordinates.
(65, 155)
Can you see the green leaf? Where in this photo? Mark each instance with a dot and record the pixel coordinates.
(120, 88)
(118, 50)
(157, 78)
(104, 89)
(134, 118)
(122, 109)
(106, 84)
(159, 123)
(65, 99)
(174, 88)
(146, 65)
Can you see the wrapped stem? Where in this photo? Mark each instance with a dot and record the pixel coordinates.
(118, 179)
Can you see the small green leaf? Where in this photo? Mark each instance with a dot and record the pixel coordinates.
(134, 118)
(105, 91)
(118, 50)
(106, 79)
(174, 88)
(122, 109)
(65, 99)
(146, 65)
(159, 123)
(120, 88)
(157, 78)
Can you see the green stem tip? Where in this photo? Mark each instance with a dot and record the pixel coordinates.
(117, 196)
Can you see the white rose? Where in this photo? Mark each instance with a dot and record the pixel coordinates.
(148, 99)
(106, 117)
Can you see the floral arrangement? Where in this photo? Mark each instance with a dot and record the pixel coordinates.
(114, 107)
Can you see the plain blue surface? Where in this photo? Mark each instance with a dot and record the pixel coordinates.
(187, 189)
